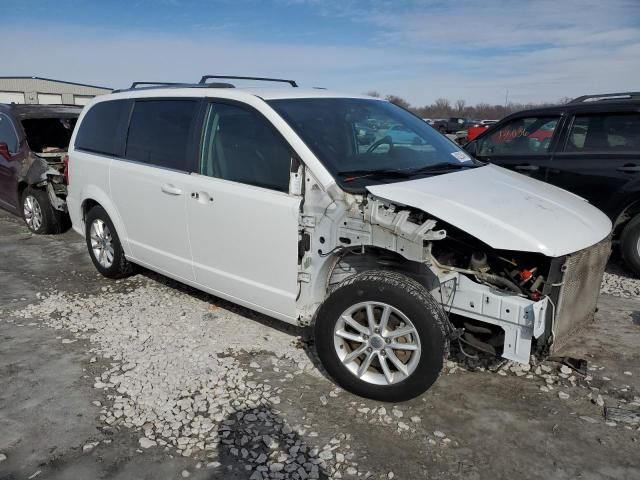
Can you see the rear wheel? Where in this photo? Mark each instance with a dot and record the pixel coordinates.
(381, 335)
(630, 244)
(41, 218)
(104, 245)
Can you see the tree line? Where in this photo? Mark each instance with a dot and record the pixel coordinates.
(444, 108)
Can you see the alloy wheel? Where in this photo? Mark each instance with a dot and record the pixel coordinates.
(377, 343)
(102, 243)
(32, 212)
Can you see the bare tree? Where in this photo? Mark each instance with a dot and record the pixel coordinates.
(401, 102)
(460, 104)
(373, 93)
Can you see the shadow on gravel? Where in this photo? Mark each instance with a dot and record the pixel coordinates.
(304, 333)
(257, 443)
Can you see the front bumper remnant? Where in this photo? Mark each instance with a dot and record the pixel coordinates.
(520, 318)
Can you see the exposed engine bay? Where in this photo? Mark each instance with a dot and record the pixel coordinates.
(503, 302)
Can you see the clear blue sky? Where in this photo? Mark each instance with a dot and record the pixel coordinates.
(419, 49)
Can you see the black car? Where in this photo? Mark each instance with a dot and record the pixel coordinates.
(33, 143)
(589, 146)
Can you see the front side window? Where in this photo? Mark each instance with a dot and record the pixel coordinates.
(523, 136)
(103, 127)
(242, 146)
(608, 132)
(364, 141)
(160, 132)
(8, 133)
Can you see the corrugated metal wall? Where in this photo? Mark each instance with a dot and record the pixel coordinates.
(51, 91)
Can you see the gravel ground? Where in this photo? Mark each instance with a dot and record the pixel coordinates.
(619, 283)
(173, 383)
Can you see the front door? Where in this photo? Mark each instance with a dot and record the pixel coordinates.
(150, 186)
(523, 144)
(600, 159)
(243, 223)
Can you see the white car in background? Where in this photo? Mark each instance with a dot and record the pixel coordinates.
(265, 197)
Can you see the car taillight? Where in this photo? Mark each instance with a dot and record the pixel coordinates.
(65, 171)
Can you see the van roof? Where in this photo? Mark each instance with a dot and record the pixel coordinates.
(266, 93)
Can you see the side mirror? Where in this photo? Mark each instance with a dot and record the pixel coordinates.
(4, 151)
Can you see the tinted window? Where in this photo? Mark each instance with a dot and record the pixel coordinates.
(523, 136)
(242, 146)
(8, 134)
(102, 129)
(618, 132)
(159, 132)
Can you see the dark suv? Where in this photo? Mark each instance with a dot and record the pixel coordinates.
(589, 146)
(33, 143)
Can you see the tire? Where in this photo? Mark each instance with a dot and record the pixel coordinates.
(104, 245)
(38, 214)
(406, 300)
(630, 244)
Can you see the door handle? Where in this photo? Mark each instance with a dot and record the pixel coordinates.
(629, 168)
(170, 189)
(527, 168)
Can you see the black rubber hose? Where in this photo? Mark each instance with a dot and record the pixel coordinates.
(495, 279)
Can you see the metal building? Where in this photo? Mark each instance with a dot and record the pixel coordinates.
(35, 90)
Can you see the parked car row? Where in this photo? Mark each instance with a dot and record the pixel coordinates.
(345, 213)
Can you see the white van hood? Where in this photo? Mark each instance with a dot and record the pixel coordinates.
(504, 209)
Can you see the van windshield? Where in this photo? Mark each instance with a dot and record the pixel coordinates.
(367, 141)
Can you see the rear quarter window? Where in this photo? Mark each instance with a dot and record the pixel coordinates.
(103, 128)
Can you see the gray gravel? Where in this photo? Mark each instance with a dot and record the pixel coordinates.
(620, 283)
(175, 376)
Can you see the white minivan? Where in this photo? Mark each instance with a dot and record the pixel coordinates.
(305, 205)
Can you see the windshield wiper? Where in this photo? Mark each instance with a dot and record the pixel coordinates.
(352, 175)
(402, 172)
(439, 167)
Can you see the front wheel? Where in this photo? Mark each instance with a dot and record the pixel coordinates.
(381, 335)
(630, 244)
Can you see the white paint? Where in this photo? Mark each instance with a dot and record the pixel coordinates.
(258, 261)
(151, 203)
(505, 210)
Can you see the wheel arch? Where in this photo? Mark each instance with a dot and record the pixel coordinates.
(631, 210)
(352, 262)
(95, 197)
(333, 270)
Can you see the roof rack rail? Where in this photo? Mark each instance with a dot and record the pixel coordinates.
(153, 85)
(135, 85)
(204, 79)
(606, 97)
